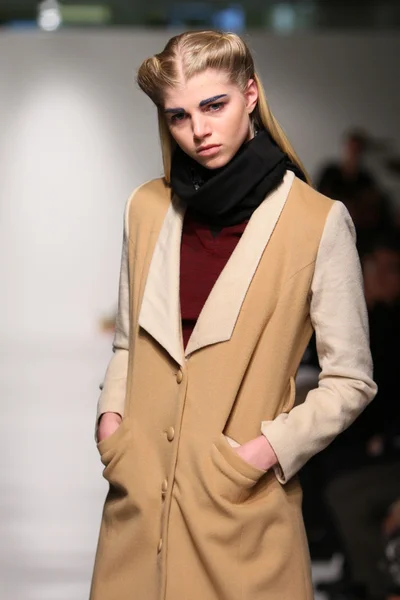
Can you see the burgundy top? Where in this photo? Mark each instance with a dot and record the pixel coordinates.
(203, 257)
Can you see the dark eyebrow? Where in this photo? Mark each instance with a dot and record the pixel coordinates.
(174, 110)
(213, 99)
(202, 103)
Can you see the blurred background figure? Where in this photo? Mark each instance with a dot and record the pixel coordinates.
(345, 179)
(352, 182)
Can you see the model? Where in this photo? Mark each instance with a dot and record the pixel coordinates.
(229, 263)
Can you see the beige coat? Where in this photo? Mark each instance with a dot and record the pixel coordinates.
(186, 518)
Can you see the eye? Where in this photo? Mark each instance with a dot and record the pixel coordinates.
(177, 118)
(215, 106)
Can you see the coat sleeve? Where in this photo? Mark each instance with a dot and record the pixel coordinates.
(113, 387)
(339, 317)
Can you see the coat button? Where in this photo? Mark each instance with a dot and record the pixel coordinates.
(164, 486)
(159, 545)
(170, 434)
(179, 376)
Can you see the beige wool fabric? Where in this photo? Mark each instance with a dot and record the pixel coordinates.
(186, 518)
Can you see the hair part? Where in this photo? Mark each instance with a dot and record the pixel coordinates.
(191, 53)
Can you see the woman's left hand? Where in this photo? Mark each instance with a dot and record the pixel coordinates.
(258, 453)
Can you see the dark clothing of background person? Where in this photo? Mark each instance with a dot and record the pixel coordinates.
(349, 451)
(363, 464)
(335, 183)
(352, 449)
(359, 500)
(366, 202)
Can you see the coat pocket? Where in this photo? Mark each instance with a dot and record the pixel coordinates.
(111, 445)
(236, 477)
(117, 455)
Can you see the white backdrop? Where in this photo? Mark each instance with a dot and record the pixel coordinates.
(76, 137)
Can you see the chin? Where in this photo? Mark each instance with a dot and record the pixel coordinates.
(214, 162)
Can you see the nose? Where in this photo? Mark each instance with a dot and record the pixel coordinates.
(200, 127)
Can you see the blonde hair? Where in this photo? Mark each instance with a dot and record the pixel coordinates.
(191, 53)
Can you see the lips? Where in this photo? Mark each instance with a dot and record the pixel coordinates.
(209, 148)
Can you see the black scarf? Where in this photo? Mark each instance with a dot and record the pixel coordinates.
(229, 195)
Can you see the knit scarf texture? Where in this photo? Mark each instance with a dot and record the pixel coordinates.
(230, 194)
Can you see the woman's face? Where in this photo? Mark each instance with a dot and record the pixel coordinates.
(209, 117)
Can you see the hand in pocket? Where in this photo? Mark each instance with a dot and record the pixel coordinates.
(258, 453)
(109, 423)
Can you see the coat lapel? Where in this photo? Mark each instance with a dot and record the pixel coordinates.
(160, 313)
(160, 310)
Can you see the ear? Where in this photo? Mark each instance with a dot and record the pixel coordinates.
(251, 95)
